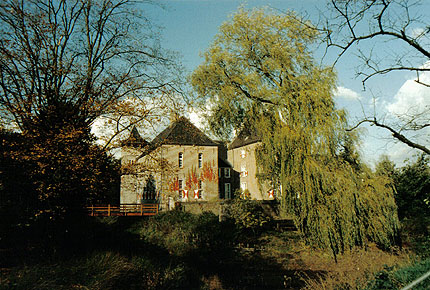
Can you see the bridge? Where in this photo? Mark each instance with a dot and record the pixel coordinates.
(143, 209)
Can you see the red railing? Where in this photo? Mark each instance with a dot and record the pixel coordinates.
(145, 209)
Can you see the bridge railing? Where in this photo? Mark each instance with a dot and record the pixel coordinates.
(144, 209)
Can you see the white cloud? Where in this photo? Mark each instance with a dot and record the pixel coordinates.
(346, 93)
(419, 31)
(198, 115)
(411, 103)
(412, 98)
(147, 115)
(196, 118)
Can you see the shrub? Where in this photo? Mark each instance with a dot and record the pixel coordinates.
(413, 188)
(183, 233)
(416, 235)
(247, 215)
(353, 268)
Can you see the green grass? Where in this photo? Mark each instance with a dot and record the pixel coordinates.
(390, 278)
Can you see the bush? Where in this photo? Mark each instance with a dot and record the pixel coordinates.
(247, 215)
(353, 269)
(413, 188)
(416, 235)
(183, 233)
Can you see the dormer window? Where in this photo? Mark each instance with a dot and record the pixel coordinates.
(181, 160)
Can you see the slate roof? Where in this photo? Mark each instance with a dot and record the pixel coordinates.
(182, 132)
(244, 138)
(135, 140)
(223, 163)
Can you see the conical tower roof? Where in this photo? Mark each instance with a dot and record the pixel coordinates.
(135, 140)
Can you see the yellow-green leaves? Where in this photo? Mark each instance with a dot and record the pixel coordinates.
(262, 77)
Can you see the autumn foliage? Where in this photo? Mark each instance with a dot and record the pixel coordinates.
(62, 173)
(208, 172)
(192, 181)
(65, 64)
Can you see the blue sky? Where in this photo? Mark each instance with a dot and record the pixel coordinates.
(189, 26)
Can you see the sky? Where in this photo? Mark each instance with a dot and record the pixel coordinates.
(189, 27)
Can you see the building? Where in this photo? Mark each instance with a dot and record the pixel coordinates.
(180, 164)
(242, 156)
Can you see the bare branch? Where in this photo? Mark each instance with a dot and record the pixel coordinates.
(79, 54)
(379, 22)
(397, 135)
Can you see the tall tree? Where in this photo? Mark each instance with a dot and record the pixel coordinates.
(65, 63)
(79, 59)
(413, 188)
(261, 74)
(401, 31)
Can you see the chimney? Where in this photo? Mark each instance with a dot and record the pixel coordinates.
(174, 116)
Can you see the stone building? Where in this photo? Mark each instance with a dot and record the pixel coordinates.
(180, 164)
(183, 165)
(242, 156)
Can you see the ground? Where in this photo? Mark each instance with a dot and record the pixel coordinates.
(186, 251)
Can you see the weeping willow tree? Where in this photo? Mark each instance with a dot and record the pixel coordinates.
(261, 76)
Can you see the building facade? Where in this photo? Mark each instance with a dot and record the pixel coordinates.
(180, 164)
(183, 165)
(242, 157)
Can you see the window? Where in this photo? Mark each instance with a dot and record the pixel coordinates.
(149, 191)
(181, 159)
(200, 189)
(243, 186)
(227, 172)
(200, 160)
(243, 171)
(227, 190)
(242, 153)
(180, 186)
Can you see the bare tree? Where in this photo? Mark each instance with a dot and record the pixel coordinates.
(368, 25)
(81, 59)
(63, 64)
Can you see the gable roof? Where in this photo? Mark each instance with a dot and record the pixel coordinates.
(224, 163)
(182, 132)
(244, 138)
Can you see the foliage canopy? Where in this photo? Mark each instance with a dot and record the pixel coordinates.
(413, 188)
(262, 77)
